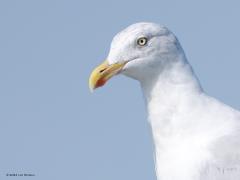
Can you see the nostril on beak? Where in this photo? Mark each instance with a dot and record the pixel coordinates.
(102, 70)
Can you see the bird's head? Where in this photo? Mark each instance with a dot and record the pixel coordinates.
(136, 51)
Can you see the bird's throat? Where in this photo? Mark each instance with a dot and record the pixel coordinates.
(166, 96)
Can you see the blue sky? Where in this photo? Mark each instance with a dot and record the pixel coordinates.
(52, 126)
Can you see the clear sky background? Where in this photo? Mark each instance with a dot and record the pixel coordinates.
(52, 126)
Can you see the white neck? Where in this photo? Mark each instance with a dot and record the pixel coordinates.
(167, 94)
(167, 91)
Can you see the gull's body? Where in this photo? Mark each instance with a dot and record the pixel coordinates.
(196, 137)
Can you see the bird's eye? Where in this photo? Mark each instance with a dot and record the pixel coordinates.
(142, 41)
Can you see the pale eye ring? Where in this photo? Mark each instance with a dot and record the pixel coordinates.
(142, 41)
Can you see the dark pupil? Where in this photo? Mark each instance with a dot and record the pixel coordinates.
(141, 41)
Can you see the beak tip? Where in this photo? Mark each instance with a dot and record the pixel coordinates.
(91, 89)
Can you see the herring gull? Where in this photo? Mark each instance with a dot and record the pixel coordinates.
(196, 137)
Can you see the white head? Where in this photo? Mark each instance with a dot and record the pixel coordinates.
(139, 50)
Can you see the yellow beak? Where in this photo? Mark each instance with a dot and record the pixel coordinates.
(102, 73)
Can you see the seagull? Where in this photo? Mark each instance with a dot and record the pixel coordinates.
(196, 137)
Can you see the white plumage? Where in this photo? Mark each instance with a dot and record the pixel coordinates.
(196, 137)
